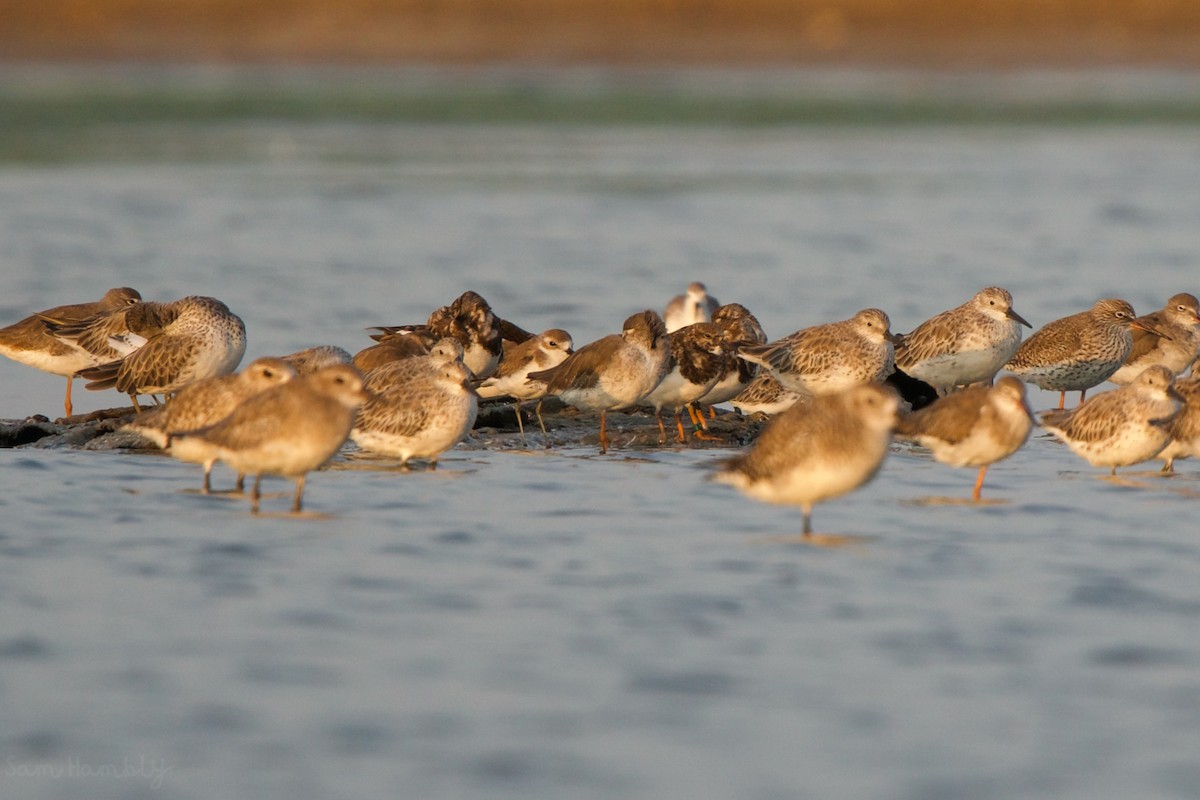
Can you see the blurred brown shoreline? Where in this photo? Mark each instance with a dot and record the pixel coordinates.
(810, 33)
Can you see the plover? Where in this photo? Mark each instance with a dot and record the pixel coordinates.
(511, 379)
(817, 451)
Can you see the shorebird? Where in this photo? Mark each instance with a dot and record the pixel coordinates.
(312, 359)
(470, 320)
(511, 379)
(965, 345)
(697, 361)
(1185, 429)
(697, 305)
(614, 372)
(421, 417)
(975, 427)
(30, 341)
(398, 372)
(1124, 426)
(766, 395)
(739, 328)
(394, 346)
(831, 357)
(1075, 353)
(206, 402)
(821, 450)
(169, 346)
(1175, 342)
(288, 430)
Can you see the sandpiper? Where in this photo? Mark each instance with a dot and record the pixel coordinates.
(975, 427)
(288, 430)
(206, 402)
(1175, 343)
(421, 417)
(1185, 429)
(765, 395)
(697, 361)
(470, 320)
(739, 328)
(170, 345)
(394, 346)
(696, 305)
(818, 451)
(312, 359)
(1124, 426)
(831, 357)
(614, 372)
(511, 379)
(30, 341)
(398, 372)
(1075, 353)
(965, 345)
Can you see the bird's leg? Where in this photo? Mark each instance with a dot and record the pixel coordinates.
(541, 422)
(67, 403)
(603, 433)
(240, 486)
(662, 431)
(256, 493)
(136, 407)
(807, 511)
(682, 437)
(520, 421)
(1062, 400)
(297, 502)
(979, 484)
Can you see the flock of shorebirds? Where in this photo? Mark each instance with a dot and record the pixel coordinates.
(837, 393)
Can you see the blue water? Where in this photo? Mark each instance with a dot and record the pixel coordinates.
(559, 624)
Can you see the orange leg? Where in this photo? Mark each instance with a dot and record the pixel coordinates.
(1062, 400)
(979, 484)
(1082, 396)
(692, 414)
(662, 431)
(296, 503)
(682, 437)
(712, 412)
(67, 403)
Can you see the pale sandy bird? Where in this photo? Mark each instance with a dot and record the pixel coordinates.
(765, 395)
(1075, 353)
(1185, 429)
(470, 320)
(419, 418)
(1125, 426)
(696, 305)
(287, 430)
(1175, 343)
(831, 357)
(511, 379)
(739, 328)
(614, 372)
(204, 403)
(697, 362)
(170, 345)
(30, 341)
(975, 427)
(965, 345)
(818, 451)
(312, 359)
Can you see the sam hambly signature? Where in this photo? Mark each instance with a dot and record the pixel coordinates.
(153, 770)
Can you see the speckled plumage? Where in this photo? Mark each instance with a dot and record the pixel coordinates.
(766, 395)
(421, 417)
(1185, 428)
(831, 357)
(31, 342)
(393, 373)
(614, 372)
(204, 403)
(1124, 426)
(470, 320)
(965, 345)
(739, 328)
(394, 346)
(821, 450)
(287, 430)
(975, 427)
(1075, 353)
(1176, 348)
(697, 361)
(173, 344)
(696, 305)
